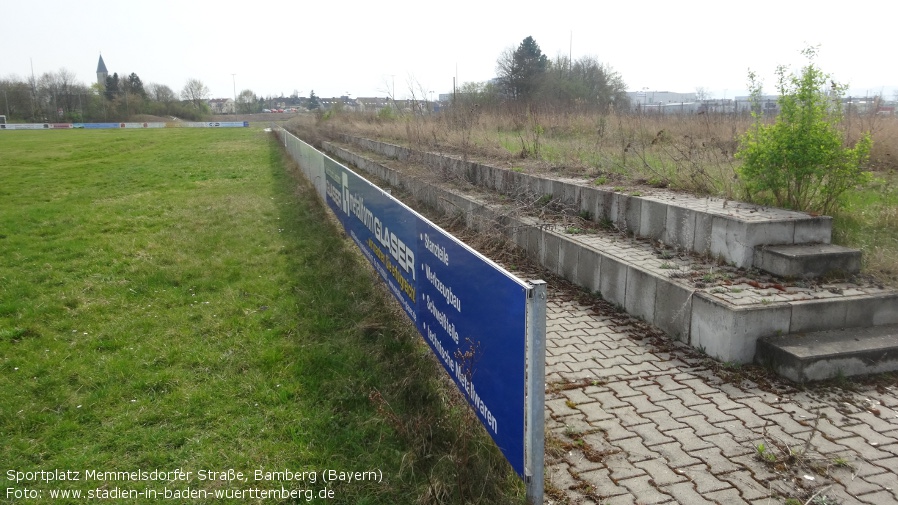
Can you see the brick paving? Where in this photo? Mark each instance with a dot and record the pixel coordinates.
(635, 418)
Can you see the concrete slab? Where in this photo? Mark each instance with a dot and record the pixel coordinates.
(639, 298)
(589, 203)
(816, 229)
(702, 233)
(568, 258)
(679, 228)
(653, 219)
(589, 269)
(673, 310)
(613, 283)
(828, 354)
(816, 315)
(807, 260)
(569, 193)
(624, 212)
(728, 333)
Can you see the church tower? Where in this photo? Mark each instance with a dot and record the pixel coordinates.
(102, 73)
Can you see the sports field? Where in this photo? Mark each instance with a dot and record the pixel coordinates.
(178, 300)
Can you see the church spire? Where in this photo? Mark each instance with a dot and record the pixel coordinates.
(102, 73)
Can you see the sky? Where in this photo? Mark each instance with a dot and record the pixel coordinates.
(368, 49)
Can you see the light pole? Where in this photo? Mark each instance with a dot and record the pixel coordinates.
(234, 81)
(393, 96)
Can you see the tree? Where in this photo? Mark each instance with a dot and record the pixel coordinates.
(520, 70)
(314, 103)
(196, 93)
(246, 102)
(112, 86)
(801, 160)
(134, 86)
(161, 93)
(702, 93)
(17, 99)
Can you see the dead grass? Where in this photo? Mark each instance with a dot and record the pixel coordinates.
(692, 153)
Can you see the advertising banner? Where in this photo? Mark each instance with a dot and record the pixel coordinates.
(471, 312)
(216, 124)
(29, 126)
(103, 126)
(97, 126)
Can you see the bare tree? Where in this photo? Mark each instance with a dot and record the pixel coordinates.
(702, 93)
(195, 92)
(246, 101)
(161, 93)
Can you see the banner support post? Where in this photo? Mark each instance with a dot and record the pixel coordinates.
(534, 433)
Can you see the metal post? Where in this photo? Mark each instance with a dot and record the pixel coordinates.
(535, 405)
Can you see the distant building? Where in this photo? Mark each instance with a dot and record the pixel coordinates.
(372, 103)
(765, 104)
(645, 97)
(221, 105)
(102, 73)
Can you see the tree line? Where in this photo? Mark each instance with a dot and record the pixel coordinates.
(59, 97)
(525, 77)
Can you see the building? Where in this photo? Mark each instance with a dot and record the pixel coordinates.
(102, 73)
(222, 106)
(645, 97)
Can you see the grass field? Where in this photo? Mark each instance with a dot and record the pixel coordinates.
(174, 299)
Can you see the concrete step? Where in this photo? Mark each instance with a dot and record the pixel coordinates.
(833, 353)
(713, 308)
(717, 227)
(807, 261)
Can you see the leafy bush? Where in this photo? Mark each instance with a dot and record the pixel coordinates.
(386, 114)
(801, 160)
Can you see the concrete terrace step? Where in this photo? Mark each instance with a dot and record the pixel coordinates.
(807, 260)
(829, 354)
(713, 308)
(723, 229)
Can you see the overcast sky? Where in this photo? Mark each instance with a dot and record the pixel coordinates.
(367, 48)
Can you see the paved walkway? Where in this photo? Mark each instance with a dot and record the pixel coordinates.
(635, 418)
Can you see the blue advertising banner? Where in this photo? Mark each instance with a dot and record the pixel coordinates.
(103, 126)
(470, 311)
(217, 124)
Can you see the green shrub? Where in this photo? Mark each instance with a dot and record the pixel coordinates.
(801, 160)
(386, 114)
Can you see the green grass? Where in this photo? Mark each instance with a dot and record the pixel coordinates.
(172, 299)
(869, 221)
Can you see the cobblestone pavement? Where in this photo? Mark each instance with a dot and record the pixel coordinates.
(633, 417)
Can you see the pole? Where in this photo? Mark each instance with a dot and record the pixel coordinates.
(234, 80)
(535, 417)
